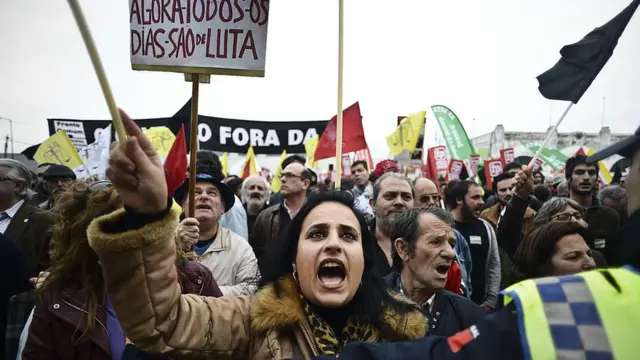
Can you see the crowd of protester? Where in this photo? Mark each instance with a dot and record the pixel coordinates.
(298, 273)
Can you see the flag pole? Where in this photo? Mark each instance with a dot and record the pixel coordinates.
(550, 135)
(195, 92)
(99, 69)
(340, 73)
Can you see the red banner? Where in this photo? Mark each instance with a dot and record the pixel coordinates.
(507, 156)
(455, 169)
(492, 168)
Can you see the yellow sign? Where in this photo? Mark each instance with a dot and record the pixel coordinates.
(58, 149)
(162, 139)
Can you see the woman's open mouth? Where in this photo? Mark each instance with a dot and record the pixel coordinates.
(331, 273)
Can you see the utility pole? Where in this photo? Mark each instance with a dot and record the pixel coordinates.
(6, 145)
(11, 133)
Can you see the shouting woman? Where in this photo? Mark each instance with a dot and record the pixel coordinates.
(318, 294)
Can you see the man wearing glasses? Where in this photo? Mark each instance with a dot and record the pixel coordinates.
(295, 180)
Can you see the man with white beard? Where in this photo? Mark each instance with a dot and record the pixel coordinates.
(255, 193)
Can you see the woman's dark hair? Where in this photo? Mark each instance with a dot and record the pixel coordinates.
(372, 297)
(533, 256)
(538, 172)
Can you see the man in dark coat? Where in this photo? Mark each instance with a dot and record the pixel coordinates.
(14, 279)
(423, 240)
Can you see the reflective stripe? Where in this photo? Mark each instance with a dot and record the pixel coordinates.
(532, 323)
(618, 310)
(574, 322)
(581, 316)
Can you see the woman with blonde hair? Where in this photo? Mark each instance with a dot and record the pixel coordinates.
(73, 317)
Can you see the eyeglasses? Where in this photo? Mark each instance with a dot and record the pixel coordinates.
(100, 185)
(580, 172)
(577, 216)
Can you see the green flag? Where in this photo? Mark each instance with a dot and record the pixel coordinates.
(455, 136)
(551, 156)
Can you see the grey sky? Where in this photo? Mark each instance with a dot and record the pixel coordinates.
(480, 58)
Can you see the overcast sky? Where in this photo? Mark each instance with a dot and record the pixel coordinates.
(480, 58)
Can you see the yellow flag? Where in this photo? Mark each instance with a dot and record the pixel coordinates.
(407, 134)
(224, 160)
(58, 149)
(275, 183)
(162, 139)
(249, 166)
(604, 172)
(310, 148)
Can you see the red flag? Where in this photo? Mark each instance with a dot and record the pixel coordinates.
(580, 151)
(352, 134)
(175, 166)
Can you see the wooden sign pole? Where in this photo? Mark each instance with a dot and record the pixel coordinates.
(195, 80)
(340, 77)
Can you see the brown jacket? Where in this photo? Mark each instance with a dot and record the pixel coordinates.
(31, 229)
(265, 230)
(158, 319)
(492, 215)
(60, 318)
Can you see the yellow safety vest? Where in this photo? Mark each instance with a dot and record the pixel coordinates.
(582, 316)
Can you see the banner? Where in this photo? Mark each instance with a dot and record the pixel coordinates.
(507, 156)
(365, 155)
(550, 156)
(454, 134)
(217, 134)
(210, 37)
(455, 169)
(492, 168)
(96, 155)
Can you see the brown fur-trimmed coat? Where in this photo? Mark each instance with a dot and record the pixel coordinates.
(142, 286)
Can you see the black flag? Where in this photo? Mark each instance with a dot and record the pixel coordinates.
(581, 62)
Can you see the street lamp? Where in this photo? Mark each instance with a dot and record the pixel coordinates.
(10, 132)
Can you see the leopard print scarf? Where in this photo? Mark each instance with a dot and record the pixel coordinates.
(325, 338)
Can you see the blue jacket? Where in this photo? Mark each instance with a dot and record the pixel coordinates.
(464, 259)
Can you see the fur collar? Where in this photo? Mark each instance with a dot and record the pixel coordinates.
(269, 311)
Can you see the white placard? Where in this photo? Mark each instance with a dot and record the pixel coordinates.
(199, 36)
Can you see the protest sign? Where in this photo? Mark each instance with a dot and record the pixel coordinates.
(475, 161)
(492, 168)
(226, 37)
(455, 169)
(440, 157)
(507, 156)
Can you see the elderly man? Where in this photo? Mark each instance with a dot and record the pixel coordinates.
(295, 179)
(255, 193)
(21, 222)
(57, 179)
(424, 239)
(392, 195)
(225, 253)
(426, 195)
